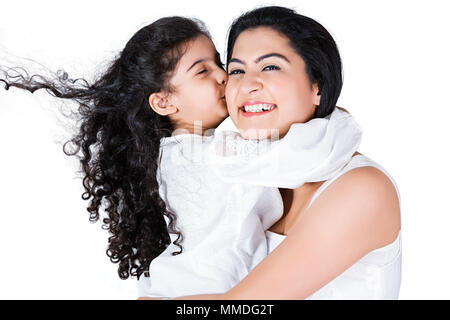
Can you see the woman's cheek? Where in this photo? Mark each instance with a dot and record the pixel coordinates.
(230, 89)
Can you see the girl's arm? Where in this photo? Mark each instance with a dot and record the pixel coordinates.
(356, 214)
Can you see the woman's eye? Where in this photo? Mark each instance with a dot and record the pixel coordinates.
(203, 71)
(235, 71)
(271, 67)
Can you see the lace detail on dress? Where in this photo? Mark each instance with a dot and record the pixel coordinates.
(232, 144)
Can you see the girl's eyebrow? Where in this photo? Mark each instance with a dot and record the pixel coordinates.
(217, 56)
(259, 59)
(197, 62)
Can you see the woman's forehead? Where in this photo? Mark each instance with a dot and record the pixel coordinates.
(252, 43)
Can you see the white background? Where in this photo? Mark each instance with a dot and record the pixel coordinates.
(396, 84)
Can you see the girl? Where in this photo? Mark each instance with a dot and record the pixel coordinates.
(138, 127)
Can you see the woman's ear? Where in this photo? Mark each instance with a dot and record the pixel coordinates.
(160, 103)
(316, 94)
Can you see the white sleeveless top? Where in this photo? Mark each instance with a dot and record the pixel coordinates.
(377, 275)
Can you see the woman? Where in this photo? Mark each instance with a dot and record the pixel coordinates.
(337, 239)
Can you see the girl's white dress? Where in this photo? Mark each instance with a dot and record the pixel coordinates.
(224, 192)
(222, 223)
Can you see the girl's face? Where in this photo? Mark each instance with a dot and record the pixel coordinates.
(198, 88)
(268, 88)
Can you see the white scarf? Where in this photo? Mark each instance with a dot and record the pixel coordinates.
(313, 151)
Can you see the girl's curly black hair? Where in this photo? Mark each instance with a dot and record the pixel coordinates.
(119, 138)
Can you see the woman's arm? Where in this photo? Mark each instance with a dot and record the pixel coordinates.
(356, 214)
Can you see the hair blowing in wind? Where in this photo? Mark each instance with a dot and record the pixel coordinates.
(118, 139)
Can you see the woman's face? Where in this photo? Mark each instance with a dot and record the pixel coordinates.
(198, 87)
(268, 88)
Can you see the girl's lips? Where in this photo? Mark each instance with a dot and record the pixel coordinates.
(251, 114)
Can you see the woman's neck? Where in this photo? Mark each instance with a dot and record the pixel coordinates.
(295, 202)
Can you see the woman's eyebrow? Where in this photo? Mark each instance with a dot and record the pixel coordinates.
(259, 59)
(235, 60)
(278, 55)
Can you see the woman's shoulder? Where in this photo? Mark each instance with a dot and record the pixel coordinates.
(370, 183)
(370, 197)
(364, 177)
(362, 171)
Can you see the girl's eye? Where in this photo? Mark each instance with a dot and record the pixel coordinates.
(203, 71)
(271, 67)
(235, 71)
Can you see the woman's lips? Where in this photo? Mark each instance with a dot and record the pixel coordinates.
(251, 114)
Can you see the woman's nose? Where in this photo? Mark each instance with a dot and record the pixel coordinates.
(250, 84)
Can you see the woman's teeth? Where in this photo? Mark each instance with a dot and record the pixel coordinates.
(259, 107)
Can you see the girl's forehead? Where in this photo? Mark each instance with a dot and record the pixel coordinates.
(198, 48)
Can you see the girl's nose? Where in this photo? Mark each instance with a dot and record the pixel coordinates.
(222, 77)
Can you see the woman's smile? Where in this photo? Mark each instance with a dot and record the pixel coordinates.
(255, 108)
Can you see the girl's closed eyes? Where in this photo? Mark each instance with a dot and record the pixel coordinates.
(202, 71)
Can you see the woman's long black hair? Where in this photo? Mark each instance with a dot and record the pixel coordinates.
(312, 42)
(119, 139)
